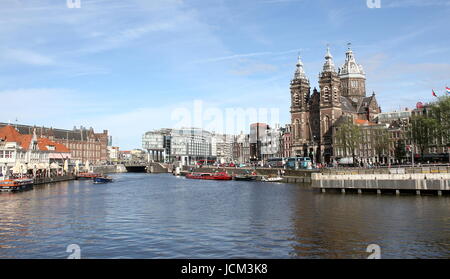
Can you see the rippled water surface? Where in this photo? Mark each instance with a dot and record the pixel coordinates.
(162, 216)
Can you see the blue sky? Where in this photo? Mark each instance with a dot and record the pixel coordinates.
(126, 65)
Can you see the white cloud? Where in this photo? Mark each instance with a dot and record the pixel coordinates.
(25, 56)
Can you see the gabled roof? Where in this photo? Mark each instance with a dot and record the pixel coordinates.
(10, 134)
(43, 144)
(365, 103)
(347, 105)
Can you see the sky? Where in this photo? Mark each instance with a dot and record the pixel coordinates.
(137, 65)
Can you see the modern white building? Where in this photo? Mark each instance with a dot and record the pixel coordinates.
(113, 153)
(186, 145)
(241, 148)
(271, 141)
(223, 147)
(158, 145)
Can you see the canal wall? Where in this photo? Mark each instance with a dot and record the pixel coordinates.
(159, 168)
(386, 182)
(408, 170)
(109, 169)
(46, 180)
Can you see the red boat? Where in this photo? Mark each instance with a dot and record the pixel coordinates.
(210, 176)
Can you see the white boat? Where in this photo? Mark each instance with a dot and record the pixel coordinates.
(271, 179)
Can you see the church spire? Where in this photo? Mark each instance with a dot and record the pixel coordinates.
(329, 64)
(299, 72)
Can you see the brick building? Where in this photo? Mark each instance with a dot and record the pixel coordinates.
(84, 144)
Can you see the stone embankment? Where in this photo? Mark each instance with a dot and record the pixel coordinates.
(46, 180)
(159, 168)
(109, 169)
(434, 180)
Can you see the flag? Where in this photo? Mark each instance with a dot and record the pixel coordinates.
(434, 94)
(448, 90)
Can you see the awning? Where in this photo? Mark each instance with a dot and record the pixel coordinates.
(55, 166)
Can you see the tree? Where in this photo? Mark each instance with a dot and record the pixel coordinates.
(381, 142)
(400, 151)
(440, 111)
(348, 137)
(423, 130)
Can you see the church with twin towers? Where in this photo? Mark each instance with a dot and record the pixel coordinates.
(314, 115)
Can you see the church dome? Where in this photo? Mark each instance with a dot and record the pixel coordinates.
(350, 67)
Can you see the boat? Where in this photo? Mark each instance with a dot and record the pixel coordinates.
(14, 185)
(210, 176)
(271, 179)
(245, 177)
(86, 175)
(102, 179)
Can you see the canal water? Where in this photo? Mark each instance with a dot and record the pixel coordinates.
(162, 216)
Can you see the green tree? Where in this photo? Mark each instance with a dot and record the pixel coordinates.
(348, 137)
(400, 150)
(422, 132)
(440, 111)
(381, 142)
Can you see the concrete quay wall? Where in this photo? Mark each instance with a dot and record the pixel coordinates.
(407, 170)
(109, 169)
(46, 180)
(159, 168)
(396, 182)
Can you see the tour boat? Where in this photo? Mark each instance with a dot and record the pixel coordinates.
(13, 185)
(102, 179)
(85, 175)
(210, 176)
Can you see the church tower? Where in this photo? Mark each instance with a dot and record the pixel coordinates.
(353, 79)
(300, 95)
(330, 105)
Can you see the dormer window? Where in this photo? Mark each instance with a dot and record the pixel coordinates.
(51, 147)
